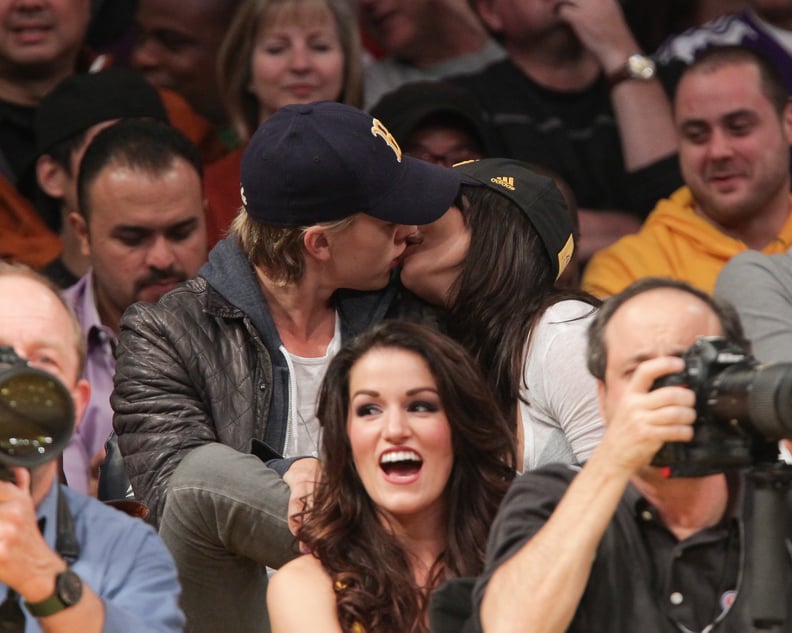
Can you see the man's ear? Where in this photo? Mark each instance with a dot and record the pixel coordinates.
(316, 242)
(81, 394)
(488, 15)
(787, 121)
(79, 227)
(52, 178)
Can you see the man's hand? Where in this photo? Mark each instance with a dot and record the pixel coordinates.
(602, 29)
(644, 420)
(302, 477)
(27, 563)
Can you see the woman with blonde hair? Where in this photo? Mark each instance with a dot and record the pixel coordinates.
(276, 53)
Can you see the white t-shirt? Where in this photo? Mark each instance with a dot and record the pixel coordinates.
(562, 422)
(303, 432)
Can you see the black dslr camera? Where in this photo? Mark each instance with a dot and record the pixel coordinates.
(742, 410)
(36, 414)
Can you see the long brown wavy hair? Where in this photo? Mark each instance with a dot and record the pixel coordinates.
(346, 531)
(504, 288)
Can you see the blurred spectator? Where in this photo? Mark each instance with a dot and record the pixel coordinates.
(654, 22)
(40, 44)
(278, 52)
(423, 39)
(759, 286)
(577, 96)
(435, 121)
(178, 48)
(765, 26)
(65, 122)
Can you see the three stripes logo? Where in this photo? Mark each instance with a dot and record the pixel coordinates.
(504, 181)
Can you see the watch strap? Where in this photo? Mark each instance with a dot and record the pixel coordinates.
(68, 591)
(637, 66)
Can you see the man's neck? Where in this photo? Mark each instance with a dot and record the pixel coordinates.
(686, 505)
(29, 91)
(556, 60)
(303, 313)
(109, 315)
(762, 228)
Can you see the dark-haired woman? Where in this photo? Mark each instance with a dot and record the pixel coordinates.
(492, 263)
(417, 459)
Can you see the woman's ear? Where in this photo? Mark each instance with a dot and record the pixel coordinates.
(317, 243)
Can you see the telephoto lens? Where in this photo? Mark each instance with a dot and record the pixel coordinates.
(36, 414)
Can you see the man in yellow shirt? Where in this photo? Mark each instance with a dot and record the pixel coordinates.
(734, 126)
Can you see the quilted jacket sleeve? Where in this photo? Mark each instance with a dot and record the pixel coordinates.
(160, 409)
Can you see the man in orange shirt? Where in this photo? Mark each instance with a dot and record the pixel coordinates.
(734, 125)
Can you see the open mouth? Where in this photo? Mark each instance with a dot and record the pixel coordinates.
(401, 464)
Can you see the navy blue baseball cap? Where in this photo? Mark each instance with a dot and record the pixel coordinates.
(325, 161)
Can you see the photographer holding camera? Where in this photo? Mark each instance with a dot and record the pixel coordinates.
(618, 545)
(73, 562)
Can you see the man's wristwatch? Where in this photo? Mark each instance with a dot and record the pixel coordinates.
(637, 66)
(68, 591)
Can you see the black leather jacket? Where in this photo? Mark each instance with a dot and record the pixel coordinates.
(203, 365)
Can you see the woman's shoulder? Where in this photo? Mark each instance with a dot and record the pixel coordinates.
(286, 594)
(305, 568)
(569, 311)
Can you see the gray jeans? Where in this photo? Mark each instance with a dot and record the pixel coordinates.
(225, 522)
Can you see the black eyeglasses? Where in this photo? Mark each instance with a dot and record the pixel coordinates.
(12, 618)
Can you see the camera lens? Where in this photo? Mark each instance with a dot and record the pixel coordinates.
(36, 416)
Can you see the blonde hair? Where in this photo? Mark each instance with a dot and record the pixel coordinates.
(279, 250)
(237, 49)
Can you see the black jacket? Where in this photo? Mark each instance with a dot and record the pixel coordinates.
(203, 365)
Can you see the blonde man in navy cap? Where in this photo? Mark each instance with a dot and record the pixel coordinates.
(230, 363)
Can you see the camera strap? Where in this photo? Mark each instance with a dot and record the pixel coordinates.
(66, 540)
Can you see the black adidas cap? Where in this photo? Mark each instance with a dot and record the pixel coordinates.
(535, 195)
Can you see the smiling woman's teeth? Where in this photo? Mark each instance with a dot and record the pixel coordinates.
(399, 456)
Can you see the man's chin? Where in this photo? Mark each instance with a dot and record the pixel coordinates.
(151, 293)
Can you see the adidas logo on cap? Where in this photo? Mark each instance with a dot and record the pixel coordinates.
(504, 181)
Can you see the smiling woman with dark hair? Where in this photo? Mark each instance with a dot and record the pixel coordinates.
(417, 459)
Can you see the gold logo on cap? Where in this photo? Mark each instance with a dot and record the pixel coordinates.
(504, 181)
(565, 255)
(378, 129)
